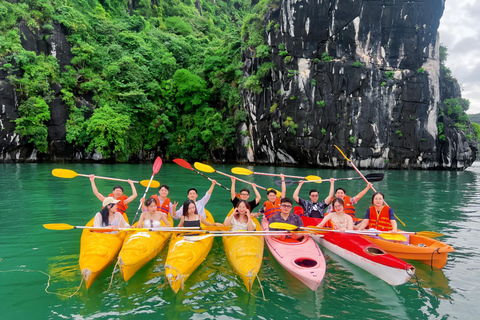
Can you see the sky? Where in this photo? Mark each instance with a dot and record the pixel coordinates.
(460, 33)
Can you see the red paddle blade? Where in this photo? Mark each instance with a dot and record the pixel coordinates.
(157, 165)
(183, 163)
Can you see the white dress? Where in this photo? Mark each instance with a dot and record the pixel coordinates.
(151, 223)
(237, 226)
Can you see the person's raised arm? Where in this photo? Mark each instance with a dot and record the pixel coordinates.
(94, 188)
(258, 197)
(232, 189)
(363, 192)
(297, 191)
(284, 186)
(134, 193)
(330, 194)
(214, 182)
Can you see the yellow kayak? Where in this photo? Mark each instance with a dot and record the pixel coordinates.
(97, 251)
(141, 247)
(185, 256)
(245, 254)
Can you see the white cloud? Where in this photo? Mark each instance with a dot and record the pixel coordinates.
(460, 33)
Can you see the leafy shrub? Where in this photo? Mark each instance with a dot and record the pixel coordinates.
(389, 74)
(357, 64)
(326, 57)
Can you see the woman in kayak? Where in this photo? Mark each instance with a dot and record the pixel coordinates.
(191, 218)
(109, 216)
(240, 219)
(339, 219)
(151, 218)
(379, 216)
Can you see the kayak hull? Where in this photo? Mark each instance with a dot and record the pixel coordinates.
(97, 252)
(303, 259)
(245, 254)
(139, 247)
(185, 256)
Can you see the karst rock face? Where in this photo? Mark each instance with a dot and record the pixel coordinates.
(362, 75)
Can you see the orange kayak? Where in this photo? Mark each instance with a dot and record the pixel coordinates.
(420, 248)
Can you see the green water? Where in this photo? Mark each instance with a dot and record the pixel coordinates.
(446, 202)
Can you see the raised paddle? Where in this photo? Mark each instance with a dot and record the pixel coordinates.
(156, 167)
(371, 177)
(66, 173)
(246, 172)
(186, 165)
(361, 175)
(207, 168)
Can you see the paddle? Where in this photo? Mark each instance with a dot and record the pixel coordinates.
(66, 173)
(427, 234)
(207, 168)
(65, 226)
(246, 172)
(186, 165)
(361, 175)
(254, 233)
(371, 177)
(156, 167)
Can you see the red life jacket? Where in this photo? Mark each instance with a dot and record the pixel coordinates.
(165, 208)
(381, 221)
(272, 209)
(121, 206)
(348, 207)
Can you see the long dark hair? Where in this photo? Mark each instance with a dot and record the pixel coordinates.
(383, 196)
(246, 205)
(105, 213)
(149, 202)
(186, 204)
(339, 201)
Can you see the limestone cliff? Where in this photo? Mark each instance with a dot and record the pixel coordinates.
(362, 75)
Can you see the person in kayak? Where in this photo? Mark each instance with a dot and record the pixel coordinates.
(163, 203)
(313, 208)
(117, 194)
(240, 219)
(379, 216)
(272, 206)
(192, 194)
(244, 194)
(286, 216)
(152, 217)
(109, 215)
(349, 201)
(339, 219)
(191, 218)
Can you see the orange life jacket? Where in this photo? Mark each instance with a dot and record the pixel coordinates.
(348, 207)
(272, 209)
(165, 208)
(381, 221)
(121, 206)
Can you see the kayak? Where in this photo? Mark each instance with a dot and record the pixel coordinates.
(97, 252)
(303, 258)
(427, 250)
(139, 247)
(185, 256)
(245, 254)
(363, 253)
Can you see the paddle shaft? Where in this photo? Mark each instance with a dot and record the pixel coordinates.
(230, 176)
(221, 185)
(157, 163)
(106, 178)
(255, 233)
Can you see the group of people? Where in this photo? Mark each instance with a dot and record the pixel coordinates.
(337, 210)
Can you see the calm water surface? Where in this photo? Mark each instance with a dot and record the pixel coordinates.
(447, 202)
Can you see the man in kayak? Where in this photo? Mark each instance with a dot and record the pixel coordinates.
(313, 208)
(117, 194)
(349, 201)
(272, 206)
(244, 194)
(192, 194)
(286, 216)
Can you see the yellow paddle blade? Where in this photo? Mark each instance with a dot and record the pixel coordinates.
(58, 226)
(310, 178)
(430, 234)
(393, 236)
(153, 184)
(284, 226)
(243, 171)
(343, 154)
(203, 167)
(64, 173)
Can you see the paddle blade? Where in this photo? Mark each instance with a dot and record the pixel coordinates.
(183, 163)
(373, 177)
(343, 154)
(153, 184)
(393, 237)
(288, 182)
(310, 178)
(203, 167)
(64, 173)
(157, 165)
(430, 234)
(284, 226)
(58, 226)
(241, 171)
